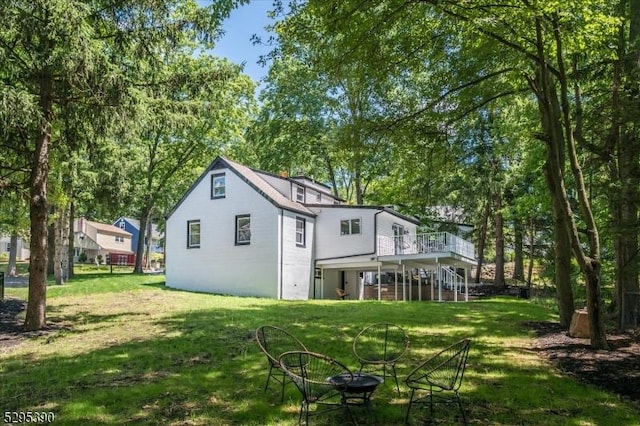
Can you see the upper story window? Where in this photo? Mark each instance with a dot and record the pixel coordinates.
(218, 185)
(193, 234)
(301, 231)
(318, 198)
(119, 239)
(350, 226)
(300, 194)
(122, 224)
(243, 229)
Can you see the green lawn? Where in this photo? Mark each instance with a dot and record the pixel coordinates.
(127, 350)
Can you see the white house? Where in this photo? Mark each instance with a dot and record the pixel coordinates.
(247, 232)
(22, 247)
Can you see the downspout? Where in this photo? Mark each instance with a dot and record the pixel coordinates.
(281, 284)
(375, 250)
(375, 233)
(313, 260)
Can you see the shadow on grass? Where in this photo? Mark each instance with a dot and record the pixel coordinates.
(203, 367)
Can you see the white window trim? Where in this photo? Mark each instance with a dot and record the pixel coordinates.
(303, 233)
(214, 177)
(351, 221)
(299, 190)
(190, 223)
(237, 234)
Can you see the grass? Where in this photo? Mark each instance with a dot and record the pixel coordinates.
(125, 349)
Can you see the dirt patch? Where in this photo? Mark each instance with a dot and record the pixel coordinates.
(10, 329)
(616, 370)
(12, 325)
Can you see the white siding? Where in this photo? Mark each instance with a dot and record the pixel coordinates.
(386, 221)
(219, 266)
(296, 265)
(329, 242)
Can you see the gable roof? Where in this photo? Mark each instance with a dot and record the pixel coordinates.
(252, 178)
(135, 223)
(386, 209)
(91, 230)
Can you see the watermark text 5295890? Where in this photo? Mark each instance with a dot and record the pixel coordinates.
(28, 417)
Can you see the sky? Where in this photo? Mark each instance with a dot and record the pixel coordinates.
(236, 44)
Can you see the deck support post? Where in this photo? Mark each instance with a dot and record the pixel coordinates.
(432, 279)
(456, 285)
(466, 285)
(404, 283)
(395, 280)
(439, 273)
(379, 283)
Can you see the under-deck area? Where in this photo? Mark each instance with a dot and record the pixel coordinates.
(420, 267)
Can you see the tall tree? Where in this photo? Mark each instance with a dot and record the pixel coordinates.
(55, 51)
(492, 47)
(193, 108)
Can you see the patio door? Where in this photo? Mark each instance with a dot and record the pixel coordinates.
(398, 238)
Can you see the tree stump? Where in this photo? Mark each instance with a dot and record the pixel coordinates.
(579, 324)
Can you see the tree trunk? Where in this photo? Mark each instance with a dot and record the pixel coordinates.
(71, 239)
(13, 255)
(557, 122)
(499, 280)
(51, 248)
(35, 318)
(144, 218)
(532, 234)
(562, 267)
(595, 306)
(60, 262)
(518, 268)
(148, 241)
(482, 240)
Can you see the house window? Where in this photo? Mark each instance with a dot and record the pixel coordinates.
(350, 226)
(218, 186)
(301, 229)
(193, 234)
(243, 229)
(318, 198)
(119, 239)
(122, 224)
(300, 194)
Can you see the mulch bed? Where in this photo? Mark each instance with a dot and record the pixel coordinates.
(617, 370)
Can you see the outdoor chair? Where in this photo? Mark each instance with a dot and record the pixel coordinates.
(341, 294)
(440, 376)
(274, 341)
(380, 346)
(321, 380)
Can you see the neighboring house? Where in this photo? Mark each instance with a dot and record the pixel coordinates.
(132, 226)
(22, 247)
(247, 232)
(101, 239)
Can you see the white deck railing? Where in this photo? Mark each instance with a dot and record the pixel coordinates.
(436, 242)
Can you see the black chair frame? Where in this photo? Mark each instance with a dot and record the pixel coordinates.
(390, 345)
(321, 380)
(274, 341)
(440, 377)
